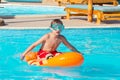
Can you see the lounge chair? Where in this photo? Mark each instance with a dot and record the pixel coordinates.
(98, 2)
(101, 12)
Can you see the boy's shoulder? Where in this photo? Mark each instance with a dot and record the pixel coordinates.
(46, 35)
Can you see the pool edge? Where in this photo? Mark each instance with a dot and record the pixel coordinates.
(65, 27)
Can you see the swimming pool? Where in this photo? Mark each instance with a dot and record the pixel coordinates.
(25, 10)
(101, 48)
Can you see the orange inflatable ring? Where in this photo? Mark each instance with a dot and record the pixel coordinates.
(66, 59)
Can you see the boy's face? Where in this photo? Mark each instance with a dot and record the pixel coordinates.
(57, 28)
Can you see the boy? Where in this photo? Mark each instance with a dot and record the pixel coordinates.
(50, 42)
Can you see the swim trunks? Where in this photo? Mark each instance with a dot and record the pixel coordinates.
(46, 55)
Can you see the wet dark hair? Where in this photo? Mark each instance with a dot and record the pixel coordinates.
(56, 21)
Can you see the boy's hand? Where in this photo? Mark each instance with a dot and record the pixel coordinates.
(22, 57)
(80, 53)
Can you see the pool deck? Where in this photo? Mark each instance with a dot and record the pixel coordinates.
(44, 21)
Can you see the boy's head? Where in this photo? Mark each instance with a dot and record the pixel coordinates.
(57, 25)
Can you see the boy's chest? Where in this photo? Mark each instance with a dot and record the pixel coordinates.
(53, 40)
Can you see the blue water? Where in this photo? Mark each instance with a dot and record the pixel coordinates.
(24, 0)
(101, 48)
(25, 10)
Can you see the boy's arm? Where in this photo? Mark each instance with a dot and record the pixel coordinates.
(64, 40)
(28, 50)
(32, 46)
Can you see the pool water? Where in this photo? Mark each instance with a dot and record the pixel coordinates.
(101, 48)
(26, 10)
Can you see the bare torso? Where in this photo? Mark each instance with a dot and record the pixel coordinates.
(51, 42)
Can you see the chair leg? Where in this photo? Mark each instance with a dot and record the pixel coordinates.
(98, 21)
(98, 18)
(68, 15)
(90, 18)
